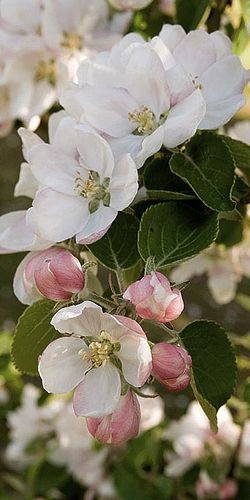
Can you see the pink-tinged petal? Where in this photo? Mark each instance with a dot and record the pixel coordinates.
(95, 153)
(139, 291)
(82, 319)
(67, 271)
(122, 425)
(99, 392)
(175, 307)
(56, 216)
(196, 52)
(153, 92)
(52, 168)
(118, 326)
(150, 145)
(171, 366)
(61, 367)
(218, 113)
(135, 355)
(98, 224)
(25, 295)
(172, 35)
(184, 119)
(17, 236)
(130, 324)
(124, 183)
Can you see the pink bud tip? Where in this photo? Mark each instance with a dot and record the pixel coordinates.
(122, 425)
(56, 273)
(171, 366)
(154, 299)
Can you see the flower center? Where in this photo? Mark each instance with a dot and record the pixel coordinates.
(146, 120)
(72, 41)
(46, 70)
(196, 84)
(100, 351)
(93, 189)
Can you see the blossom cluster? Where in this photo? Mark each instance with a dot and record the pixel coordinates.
(193, 443)
(41, 44)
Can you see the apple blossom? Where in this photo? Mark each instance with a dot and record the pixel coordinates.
(17, 236)
(190, 434)
(154, 299)
(171, 366)
(83, 187)
(122, 425)
(114, 345)
(54, 273)
(136, 114)
(207, 63)
(152, 410)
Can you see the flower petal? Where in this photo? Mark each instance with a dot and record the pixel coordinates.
(99, 392)
(98, 224)
(57, 216)
(95, 153)
(124, 183)
(61, 367)
(135, 355)
(82, 319)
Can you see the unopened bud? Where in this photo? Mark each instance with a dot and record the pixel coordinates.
(122, 425)
(54, 273)
(154, 299)
(171, 366)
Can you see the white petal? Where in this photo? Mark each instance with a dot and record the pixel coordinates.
(17, 236)
(196, 52)
(61, 367)
(128, 144)
(222, 44)
(220, 112)
(98, 224)
(54, 121)
(57, 216)
(53, 168)
(124, 183)
(135, 356)
(64, 138)
(95, 153)
(107, 110)
(146, 80)
(224, 79)
(150, 145)
(99, 392)
(27, 184)
(82, 319)
(172, 35)
(183, 119)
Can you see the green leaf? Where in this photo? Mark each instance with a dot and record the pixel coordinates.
(189, 15)
(241, 155)
(230, 232)
(162, 184)
(208, 167)
(33, 333)
(214, 366)
(117, 248)
(208, 409)
(172, 232)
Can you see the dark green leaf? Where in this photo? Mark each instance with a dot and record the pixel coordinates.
(117, 248)
(214, 366)
(172, 232)
(162, 184)
(33, 333)
(208, 167)
(230, 232)
(241, 155)
(189, 15)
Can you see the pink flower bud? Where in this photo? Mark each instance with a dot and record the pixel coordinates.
(154, 299)
(171, 366)
(122, 425)
(229, 489)
(54, 273)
